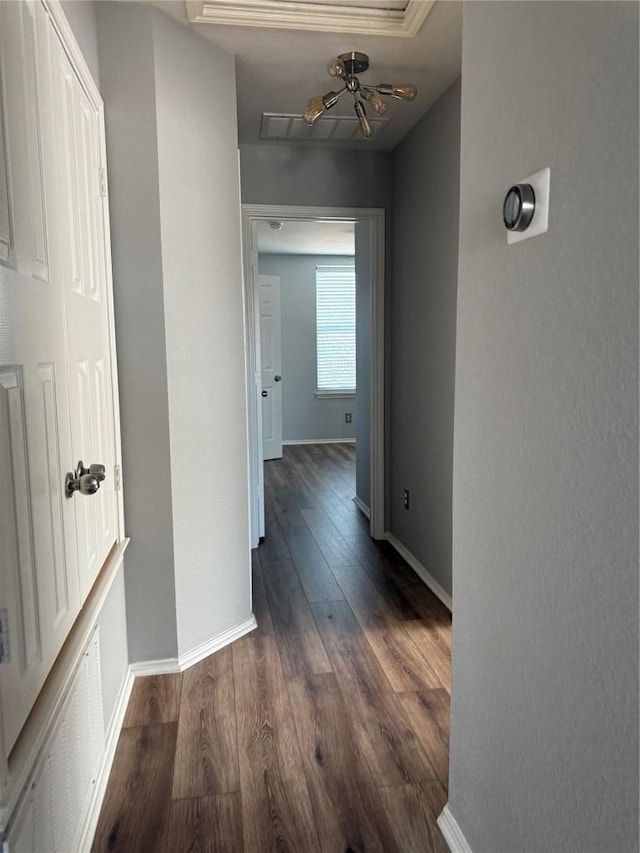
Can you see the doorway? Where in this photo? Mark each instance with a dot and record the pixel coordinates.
(370, 223)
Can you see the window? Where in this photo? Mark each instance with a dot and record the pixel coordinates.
(336, 329)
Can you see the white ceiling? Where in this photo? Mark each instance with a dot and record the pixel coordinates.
(307, 238)
(279, 70)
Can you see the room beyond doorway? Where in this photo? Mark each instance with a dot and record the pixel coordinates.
(369, 253)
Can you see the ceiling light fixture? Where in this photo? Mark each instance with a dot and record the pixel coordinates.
(346, 67)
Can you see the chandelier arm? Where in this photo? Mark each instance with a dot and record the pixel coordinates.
(331, 98)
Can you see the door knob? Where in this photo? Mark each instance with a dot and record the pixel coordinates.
(265, 393)
(97, 471)
(277, 378)
(84, 480)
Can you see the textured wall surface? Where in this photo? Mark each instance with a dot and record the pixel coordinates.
(171, 117)
(423, 334)
(304, 175)
(544, 725)
(128, 89)
(202, 278)
(81, 15)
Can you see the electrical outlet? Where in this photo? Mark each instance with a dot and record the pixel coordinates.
(405, 498)
(347, 418)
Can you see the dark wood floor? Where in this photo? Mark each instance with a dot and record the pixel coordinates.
(324, 730)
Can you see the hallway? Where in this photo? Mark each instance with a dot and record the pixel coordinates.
(326, 729)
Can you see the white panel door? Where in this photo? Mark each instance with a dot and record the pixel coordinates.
(86, 310)
(39, 579)
(56, 403)
(271, 366)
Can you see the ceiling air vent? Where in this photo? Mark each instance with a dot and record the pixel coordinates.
(330, 129)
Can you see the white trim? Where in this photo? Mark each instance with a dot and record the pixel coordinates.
(319, 441)
(253, 213)
(164, 666)
(452, 833)
(377, 450)
(111, 742)
(420, 570)
(320, 17)
(167, 666)
(72, 49)
(214, 645)
(364, 509)
(45, 712)
(335, 395)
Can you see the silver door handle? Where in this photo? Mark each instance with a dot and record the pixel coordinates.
(97, 471)
(84, 480)
(277, 378)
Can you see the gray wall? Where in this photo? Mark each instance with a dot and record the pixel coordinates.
(172, 158)
(204, 323)
(81, 15)
(544, 726)
(304, 417)
(426, 174)
(321, 177)
(128, 90)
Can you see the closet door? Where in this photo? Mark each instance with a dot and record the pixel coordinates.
(56, 401)
(85, 283)
(39, 593)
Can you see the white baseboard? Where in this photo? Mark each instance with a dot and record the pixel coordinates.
(217, 643)
(420, 570)
(452, 833)
(111, 742)
(167, 666)
(164, 666)
(364, 509)
(320, 441)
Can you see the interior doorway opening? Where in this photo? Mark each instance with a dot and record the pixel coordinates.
(368, 225)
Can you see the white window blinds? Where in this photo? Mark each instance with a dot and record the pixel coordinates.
(336, 328)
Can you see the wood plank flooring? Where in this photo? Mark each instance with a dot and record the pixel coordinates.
(323, 731)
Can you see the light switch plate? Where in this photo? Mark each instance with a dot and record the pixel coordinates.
(540, 222)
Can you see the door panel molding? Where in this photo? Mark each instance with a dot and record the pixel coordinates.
(54, 497)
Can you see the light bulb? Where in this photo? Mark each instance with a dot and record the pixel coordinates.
(377, 104)
(336, 69)
(403, 92)
(365, 127)
(314, 110)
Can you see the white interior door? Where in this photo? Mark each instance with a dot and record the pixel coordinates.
(271, 366)
(38, 581)
(81, 205)
(50, 224)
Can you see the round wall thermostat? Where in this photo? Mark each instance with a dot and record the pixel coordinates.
(519, 205)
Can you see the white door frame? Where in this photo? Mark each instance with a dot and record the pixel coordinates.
(253, 213)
